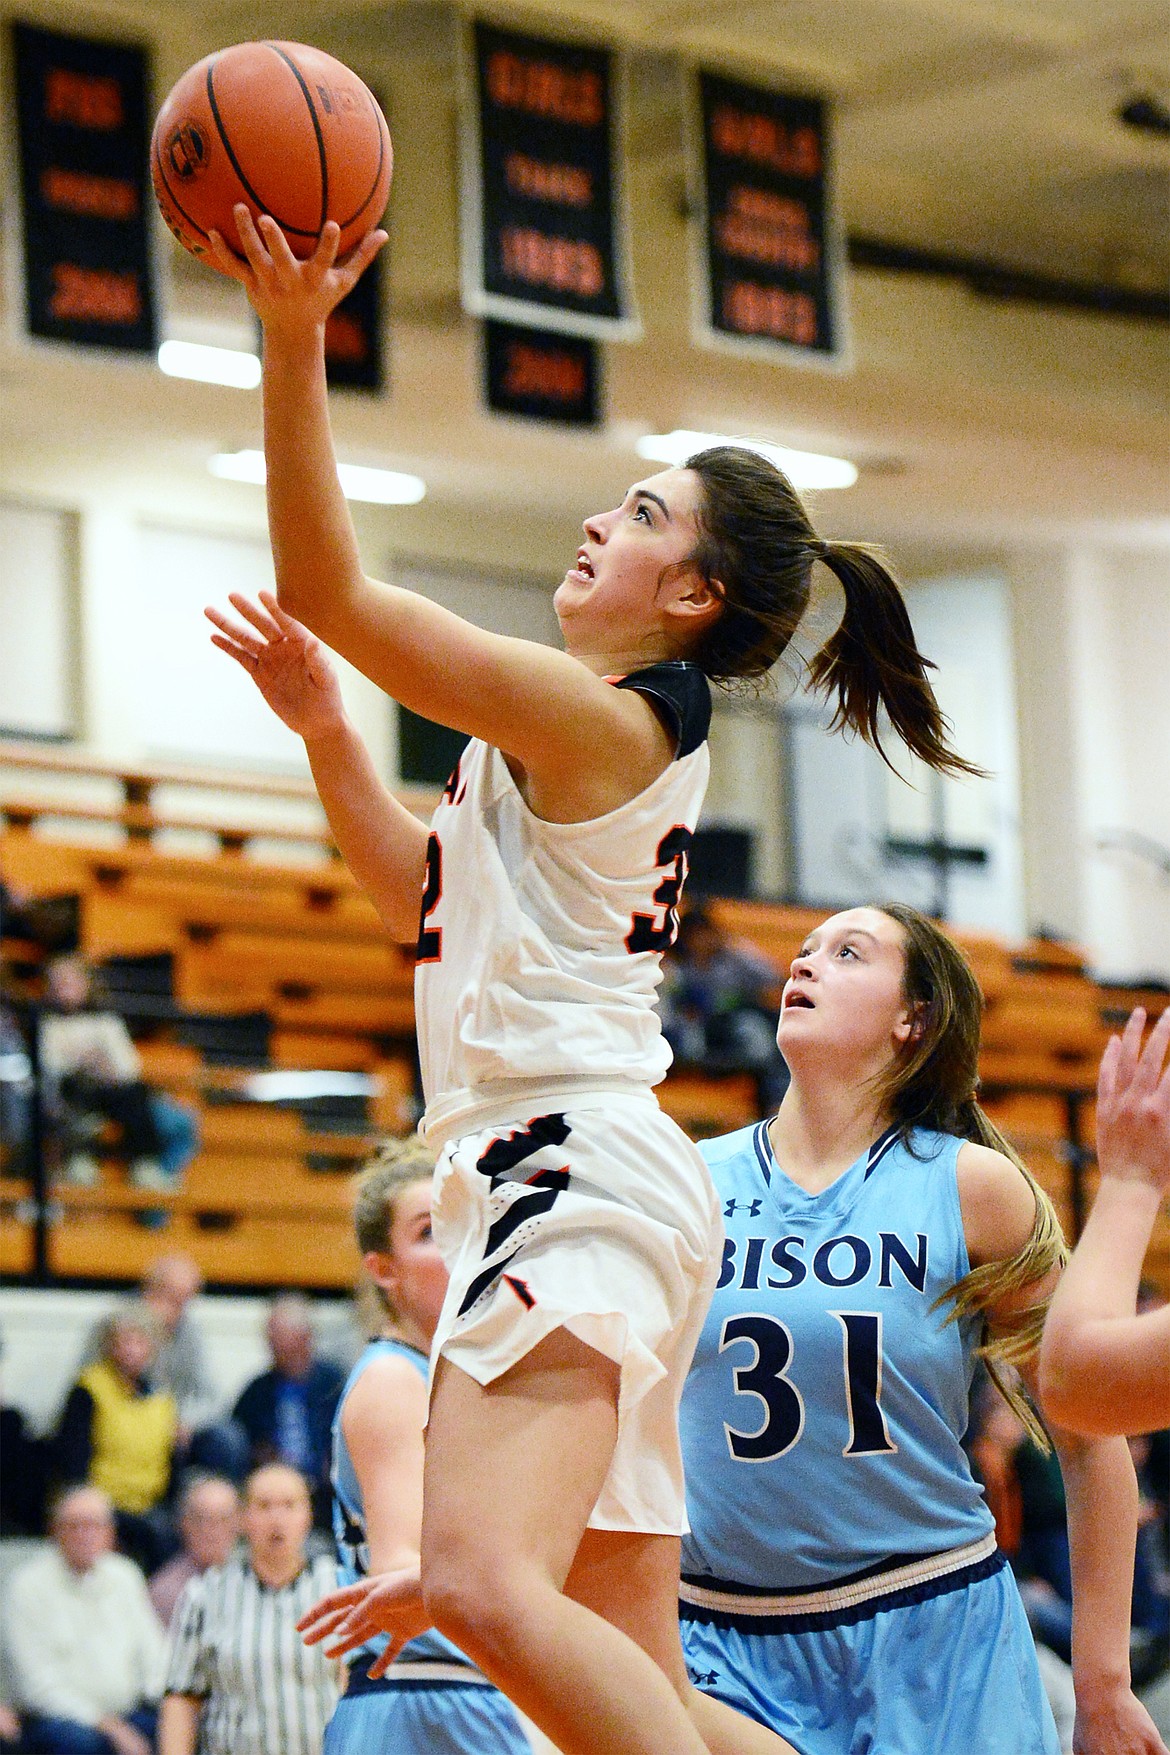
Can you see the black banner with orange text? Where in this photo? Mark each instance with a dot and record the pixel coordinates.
(543, 221)
(771, 269)
(83, 110)
(554, 377)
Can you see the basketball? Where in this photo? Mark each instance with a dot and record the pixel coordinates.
(281, 126)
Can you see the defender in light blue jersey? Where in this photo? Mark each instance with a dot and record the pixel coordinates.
(432, 1699)
(841, 1581)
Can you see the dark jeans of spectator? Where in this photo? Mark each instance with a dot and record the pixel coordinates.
(64, 1736)
(128, 1104)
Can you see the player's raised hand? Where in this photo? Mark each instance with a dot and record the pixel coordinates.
(288, 664)
(284, 290)
(1133, 1104)
(387, 1603)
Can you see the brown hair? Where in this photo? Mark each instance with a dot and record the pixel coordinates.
(396, 1166)
(757, 548)
(934, 1084)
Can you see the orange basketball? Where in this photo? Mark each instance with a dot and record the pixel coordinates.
(280, 126)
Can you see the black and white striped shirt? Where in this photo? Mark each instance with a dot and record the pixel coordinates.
(235, 1646)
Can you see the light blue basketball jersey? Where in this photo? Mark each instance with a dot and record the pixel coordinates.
(823, 1415)
(349, 1517)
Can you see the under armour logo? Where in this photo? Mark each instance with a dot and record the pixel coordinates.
(704, 1678)
(750, 1207)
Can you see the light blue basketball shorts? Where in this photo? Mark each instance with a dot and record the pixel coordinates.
(955, 1674)
(425, 1718)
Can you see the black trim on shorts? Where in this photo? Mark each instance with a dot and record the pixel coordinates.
(792, 1621)
(684, 692)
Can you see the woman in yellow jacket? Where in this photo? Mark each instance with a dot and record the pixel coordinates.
(118, 1433)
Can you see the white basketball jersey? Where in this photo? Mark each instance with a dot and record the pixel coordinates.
(540, 943)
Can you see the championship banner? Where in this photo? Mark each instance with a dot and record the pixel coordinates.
(544, 229)
(353, 335)
(83, 110)
(541, 376)
(771, 262)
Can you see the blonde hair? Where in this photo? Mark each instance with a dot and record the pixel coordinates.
(934, 1084)
(397, 1165)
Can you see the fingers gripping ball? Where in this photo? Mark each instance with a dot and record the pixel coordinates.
(282, 127)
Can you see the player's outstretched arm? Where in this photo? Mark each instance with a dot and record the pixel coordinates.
(381, 842)
(1100, 1485)
(540, 706)
(1103, 1368)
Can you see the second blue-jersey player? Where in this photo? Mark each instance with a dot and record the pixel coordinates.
(841, 1581)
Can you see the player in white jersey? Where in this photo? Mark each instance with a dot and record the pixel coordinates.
(841, 1580)
(578, 1223)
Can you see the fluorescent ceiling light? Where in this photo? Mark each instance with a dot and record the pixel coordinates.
(381, 487)
(804, 469)
(209, 365)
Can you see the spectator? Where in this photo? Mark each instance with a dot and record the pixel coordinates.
(24, 1477)
(287, 1412)
(9, 1727)
(214, 1446)
(92, 1069)
(718, 1004)
(88, 1653)
(16, 1097)
(118, 1432)
(240, 1680)
(209, 1523)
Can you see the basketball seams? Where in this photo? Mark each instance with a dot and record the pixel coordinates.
(261, 205)
(321, 153)
(359, 210)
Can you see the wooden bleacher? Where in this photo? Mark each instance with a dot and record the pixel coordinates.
(258, 926)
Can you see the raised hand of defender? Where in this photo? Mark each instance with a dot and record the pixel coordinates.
(282, 288)
(1133, 1104)
(386, 1602)
(287, 663)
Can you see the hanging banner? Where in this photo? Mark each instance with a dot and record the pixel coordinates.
(354, 349)
(353, 335)
(544, 230)
(771, 257)
(541, 376)
(83, 110)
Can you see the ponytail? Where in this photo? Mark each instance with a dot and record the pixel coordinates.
(756, 549)
(872, 663)
(1015, 1339)
(933, 1084)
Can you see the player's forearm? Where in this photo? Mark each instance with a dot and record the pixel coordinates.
(1102, 1499)
(314, 547)
(381, 842)
(1098, 1287)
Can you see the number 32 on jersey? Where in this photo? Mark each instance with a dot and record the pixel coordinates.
(648, 932)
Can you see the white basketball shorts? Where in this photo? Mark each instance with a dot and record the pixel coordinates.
(597, 1216)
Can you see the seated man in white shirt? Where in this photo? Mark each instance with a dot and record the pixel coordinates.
(87, 1651)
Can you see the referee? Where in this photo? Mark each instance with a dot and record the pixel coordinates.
(241, 1682)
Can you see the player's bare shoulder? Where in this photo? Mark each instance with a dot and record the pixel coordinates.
(998, 1206)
